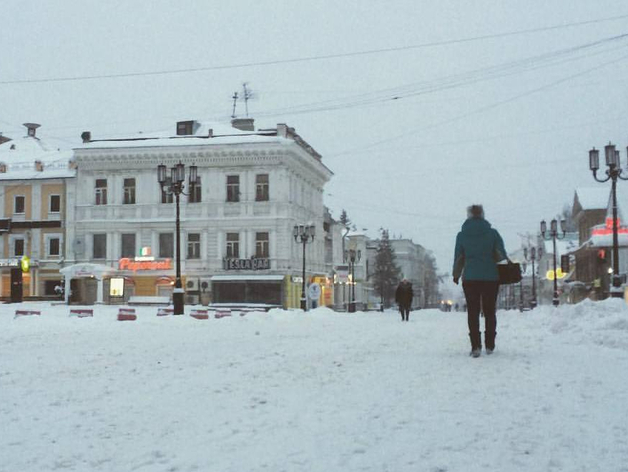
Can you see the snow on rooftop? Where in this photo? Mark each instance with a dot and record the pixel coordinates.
(204, 133)
(20, 155)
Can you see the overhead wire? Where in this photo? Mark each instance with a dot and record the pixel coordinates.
(317, 57)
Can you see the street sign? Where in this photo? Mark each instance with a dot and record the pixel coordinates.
(314, 291)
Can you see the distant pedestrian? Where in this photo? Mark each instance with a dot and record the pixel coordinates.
(478, 249)
(403, 297)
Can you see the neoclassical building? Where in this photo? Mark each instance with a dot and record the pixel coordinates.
(237, 220)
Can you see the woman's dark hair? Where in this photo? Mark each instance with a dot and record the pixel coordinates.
(475, 211)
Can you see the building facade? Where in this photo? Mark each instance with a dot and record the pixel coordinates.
(34, 176)
(237, 220)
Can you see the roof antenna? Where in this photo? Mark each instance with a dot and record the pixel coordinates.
(235, 99)
(247, 95)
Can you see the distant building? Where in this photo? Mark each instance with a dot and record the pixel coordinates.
(592, 212)
(34, 176)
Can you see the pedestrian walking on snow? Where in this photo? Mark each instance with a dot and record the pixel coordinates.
(478, 249)
(403, 297)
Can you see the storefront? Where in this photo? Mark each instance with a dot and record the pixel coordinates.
(85, 283)
(266, 290)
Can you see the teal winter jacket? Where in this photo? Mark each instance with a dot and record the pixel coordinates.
(478, 249)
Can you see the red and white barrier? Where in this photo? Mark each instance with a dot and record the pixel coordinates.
(222, 313)
(199, 314)
(165, 311)
(126, 314)
(81, 312)
(19, 313)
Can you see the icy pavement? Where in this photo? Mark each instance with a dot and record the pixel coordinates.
(321, 391)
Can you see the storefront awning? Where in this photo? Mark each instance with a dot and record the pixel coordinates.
(87, 270)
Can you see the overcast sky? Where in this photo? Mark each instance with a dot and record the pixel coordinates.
(420, 108)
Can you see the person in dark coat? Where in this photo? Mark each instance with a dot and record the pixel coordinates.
(478, 249)
(403, 297)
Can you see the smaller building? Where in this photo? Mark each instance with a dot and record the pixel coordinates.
(33, 181)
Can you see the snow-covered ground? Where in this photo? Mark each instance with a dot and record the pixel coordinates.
(317, 391)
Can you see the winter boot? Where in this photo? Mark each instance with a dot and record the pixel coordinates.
(476, 344)
(489, 340)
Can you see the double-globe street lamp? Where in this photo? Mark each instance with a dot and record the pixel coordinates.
(303, 234)
(173, 184)
(352, 256)
(553, 235)
(532, 258)
(613, 172)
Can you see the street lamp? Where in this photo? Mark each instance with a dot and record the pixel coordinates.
(532, 259)
(303, 234)
(553, 235)
(613, 173)
(173, 184)
(352, 256)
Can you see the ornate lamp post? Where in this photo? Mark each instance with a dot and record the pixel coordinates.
(352, 256)
(553, 235)
(303, 234)
(173, 184)
(613, 173)
(532, 259)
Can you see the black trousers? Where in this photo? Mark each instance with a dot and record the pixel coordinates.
(481, 296)
(405, 312)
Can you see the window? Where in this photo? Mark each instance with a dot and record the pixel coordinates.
(233, 245)
(100, 246)
(261, 245)
(128, 245)
(20, 203)
(101, 191)
(18, 247)
(166, 245)
(261, 188)
(55, 204)
(233, 188)
(129, 191)
(194, 246)
(185, 128)
(166, 197)
(195, 191)
(54, 246)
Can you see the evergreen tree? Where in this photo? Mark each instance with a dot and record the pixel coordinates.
(386, 273)
(431, 279)
(344, 219)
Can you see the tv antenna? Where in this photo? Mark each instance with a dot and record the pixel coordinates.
(235, 100)
(247, 96)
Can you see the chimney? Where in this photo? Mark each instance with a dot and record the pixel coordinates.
(243, 124)
(39, 166)
(86, 136)
(32, 129)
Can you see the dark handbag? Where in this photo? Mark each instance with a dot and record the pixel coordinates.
(509, 273)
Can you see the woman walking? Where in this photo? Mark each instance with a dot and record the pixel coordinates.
(478, 249)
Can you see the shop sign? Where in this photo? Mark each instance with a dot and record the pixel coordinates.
(9, 262)
(116, 287)
(245, 264)
(128, 264)
(314, 291)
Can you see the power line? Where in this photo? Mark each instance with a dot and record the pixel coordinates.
(485, 107)
(316, 58)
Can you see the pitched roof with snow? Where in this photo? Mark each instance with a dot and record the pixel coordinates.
(31, 158)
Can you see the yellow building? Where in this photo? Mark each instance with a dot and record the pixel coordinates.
(33, 177)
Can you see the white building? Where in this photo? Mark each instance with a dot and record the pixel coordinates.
(236, 224)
